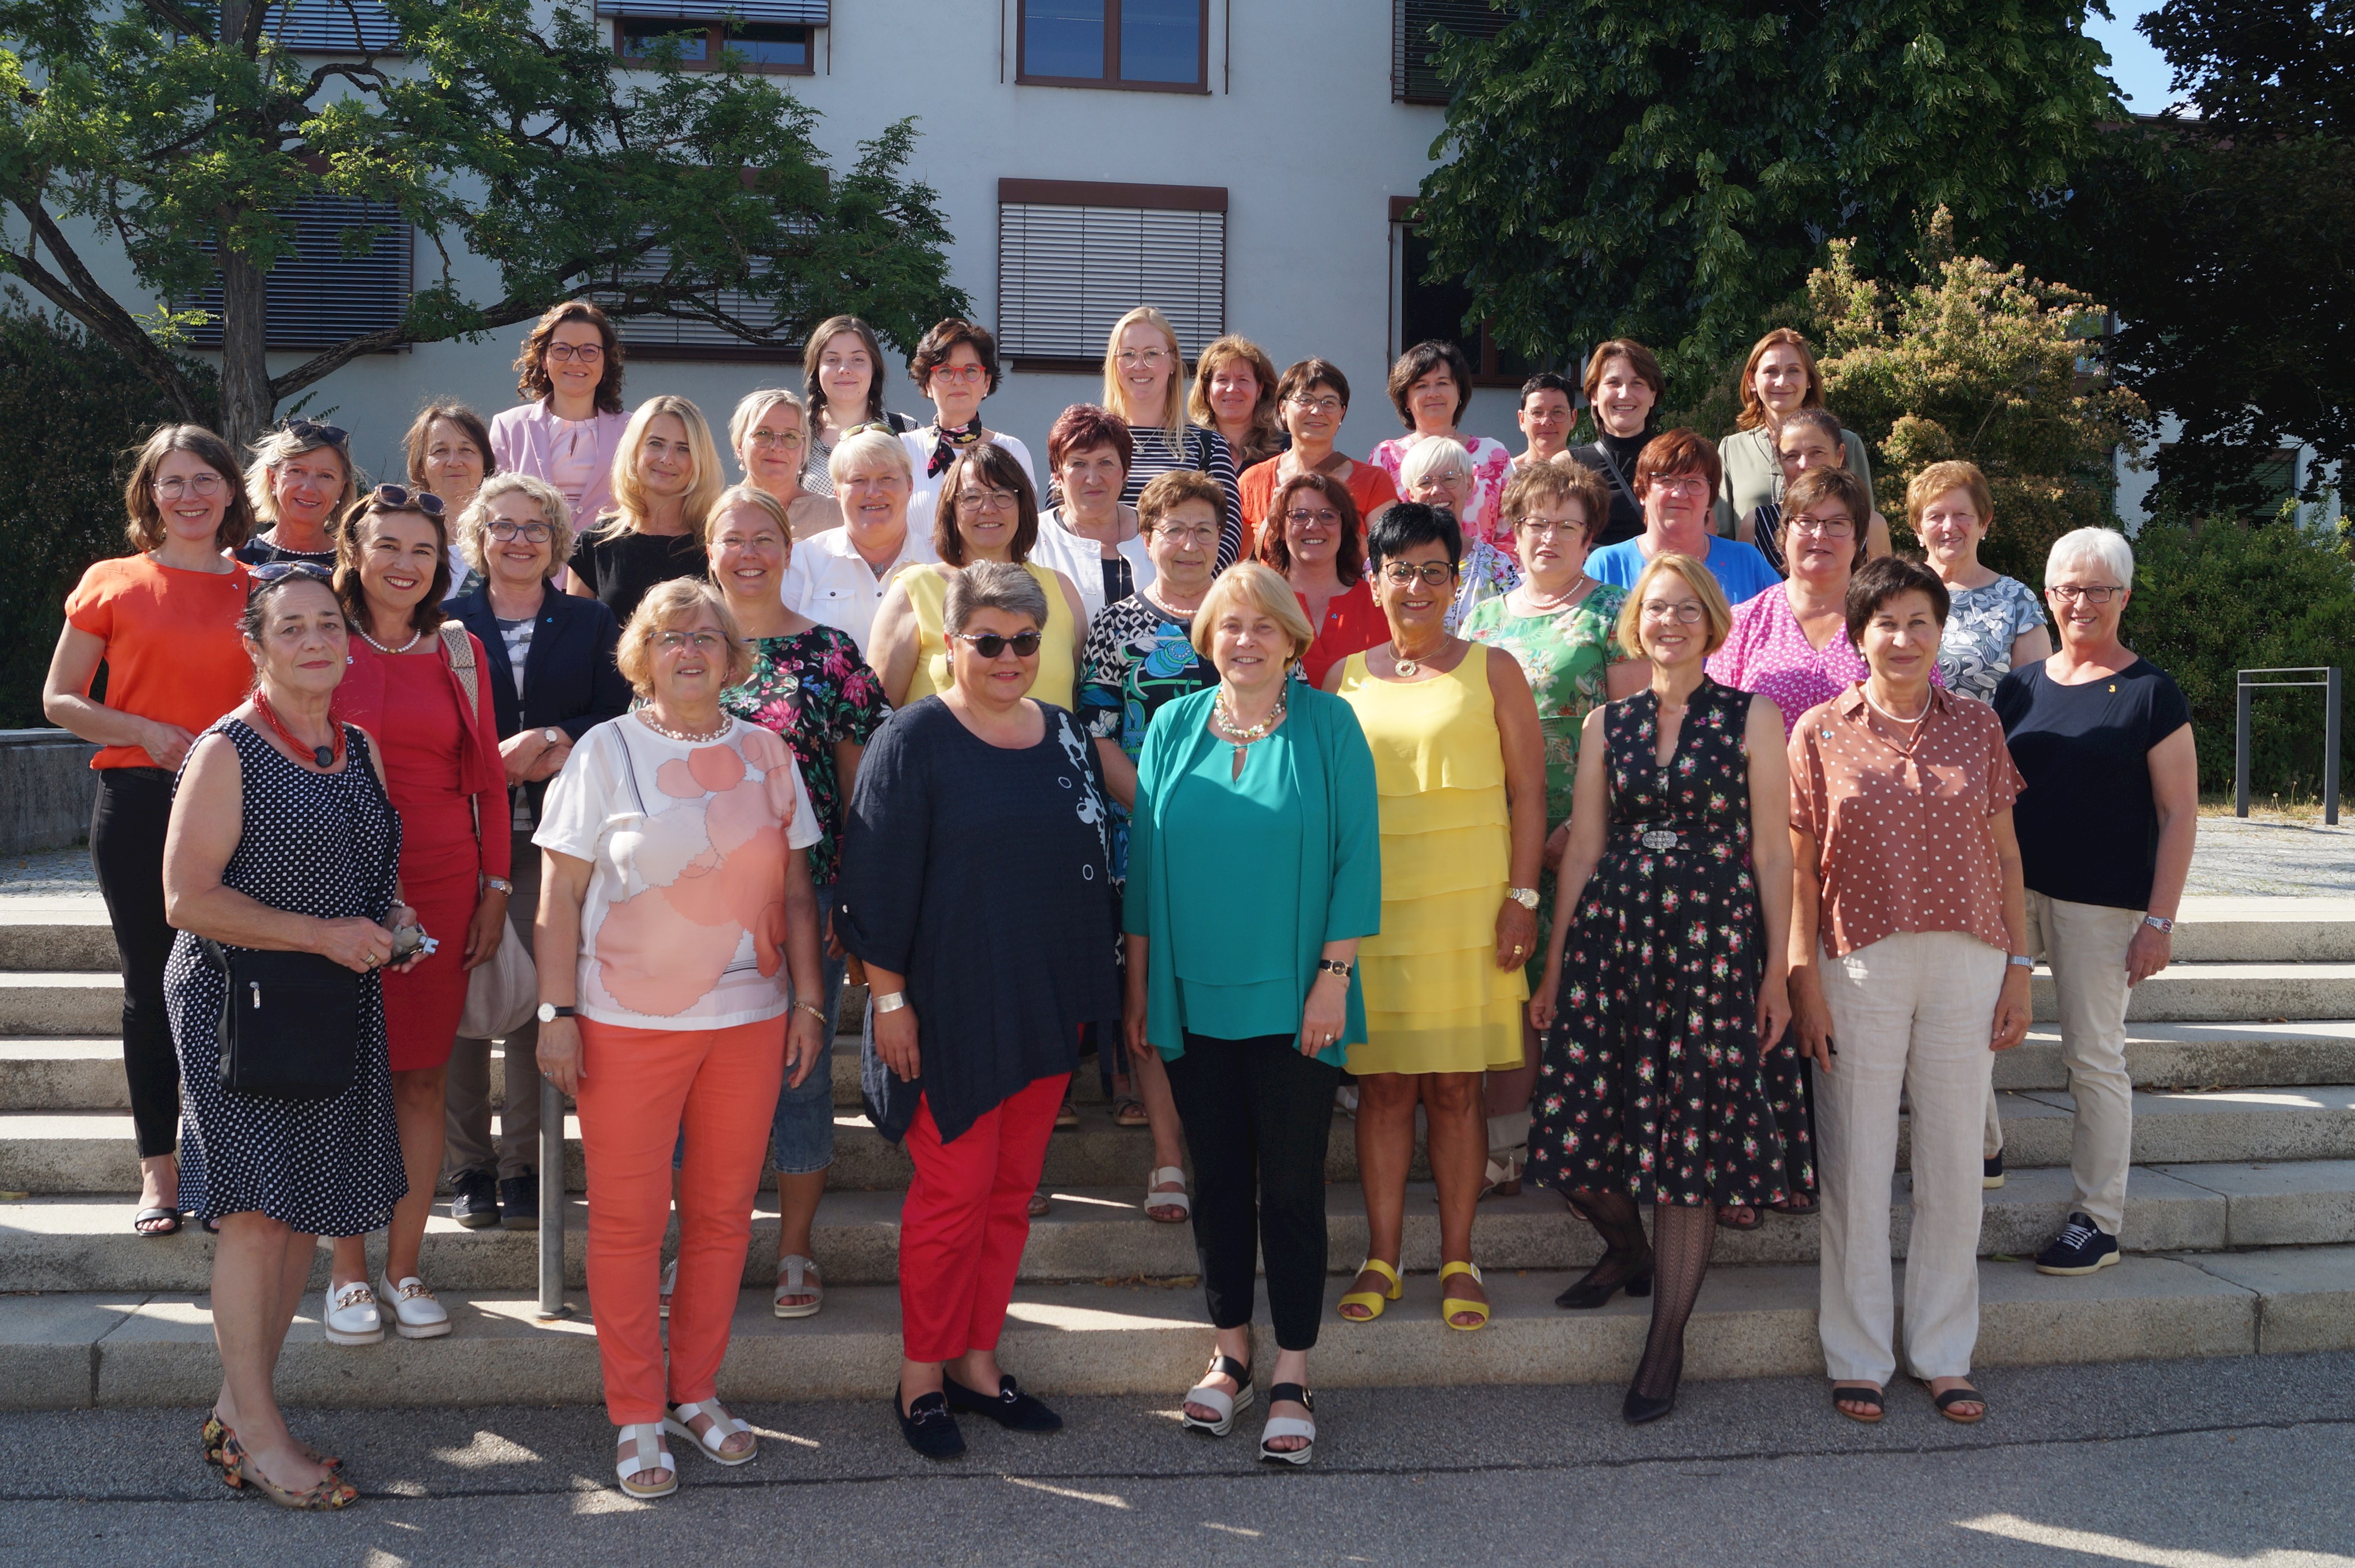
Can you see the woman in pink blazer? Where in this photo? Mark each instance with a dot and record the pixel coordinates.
(567, 433)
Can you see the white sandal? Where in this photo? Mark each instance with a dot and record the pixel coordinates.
(723, 1426)
(798, 1275)
(1288, 1426)
(639, 1436)
(1178, 1200)
(1226, 1404)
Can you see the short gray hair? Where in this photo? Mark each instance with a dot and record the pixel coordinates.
(2106, 546)
(993, 585)
(1432, 456)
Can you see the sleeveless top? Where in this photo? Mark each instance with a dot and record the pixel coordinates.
(1058, 668)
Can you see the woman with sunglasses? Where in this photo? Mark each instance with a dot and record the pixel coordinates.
(1313, 400)
(842, 383)
(1459, 763)
(567, 429)
(769, 433)
(976, 889)
(163, 620)
(420, 684)
(551, 677)
(956, 364)
(299, 482)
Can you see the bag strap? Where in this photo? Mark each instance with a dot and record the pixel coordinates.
(458, 649)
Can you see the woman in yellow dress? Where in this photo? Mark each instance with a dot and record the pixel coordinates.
(988, 511)
(1459, 762)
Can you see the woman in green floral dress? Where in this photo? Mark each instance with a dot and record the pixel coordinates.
(1557, 625)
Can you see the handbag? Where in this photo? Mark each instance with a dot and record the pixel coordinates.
(290, 1023)
(501, 994)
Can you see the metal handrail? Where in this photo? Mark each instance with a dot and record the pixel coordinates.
(2242, 688)
(552, 1305)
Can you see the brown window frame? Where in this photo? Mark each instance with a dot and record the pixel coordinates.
(715, 39)
(1111, 81)
(1484, 370)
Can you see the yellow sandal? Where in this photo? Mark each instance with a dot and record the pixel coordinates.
(1449, 1305)
(1373, 1301)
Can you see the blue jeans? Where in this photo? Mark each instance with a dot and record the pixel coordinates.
(801, 1136)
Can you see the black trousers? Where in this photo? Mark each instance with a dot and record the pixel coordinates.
(126, 849)
(1257, 1118)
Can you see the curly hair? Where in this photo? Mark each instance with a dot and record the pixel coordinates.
(531, 365)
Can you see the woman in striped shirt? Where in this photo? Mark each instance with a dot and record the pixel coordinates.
(1143, 370)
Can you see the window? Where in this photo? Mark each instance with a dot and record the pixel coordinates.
(1428, 310)
(677, 337)
(333, 27)
(1412, 78)
(1147, 46)
(318, 296)
(776, 36)
(1073, 257)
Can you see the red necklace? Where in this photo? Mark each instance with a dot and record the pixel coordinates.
(325, 756)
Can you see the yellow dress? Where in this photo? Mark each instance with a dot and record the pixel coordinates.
(1436, 1000)
(928, 593)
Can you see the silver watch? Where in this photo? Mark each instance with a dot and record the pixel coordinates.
(891, 1002)
(2159, 924)
(552, 735)
(1525, 897)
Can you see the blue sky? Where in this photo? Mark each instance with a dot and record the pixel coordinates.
(2140, 70)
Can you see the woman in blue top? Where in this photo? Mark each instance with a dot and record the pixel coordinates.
(1239, 970)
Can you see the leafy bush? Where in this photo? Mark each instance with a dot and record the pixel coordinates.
(2218, 596)
(78, 409)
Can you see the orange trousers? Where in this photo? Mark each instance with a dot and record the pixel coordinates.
(638, 1088)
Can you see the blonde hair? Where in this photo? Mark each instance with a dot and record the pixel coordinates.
(752, 496)
(752, 408)
(631, 502)
(867, 446)
(274, 449)
(1251, 586)
(1940, 477)
(1173, 405)
(664, 606)
(1432, 456)
(474, 522)
(1715, 613)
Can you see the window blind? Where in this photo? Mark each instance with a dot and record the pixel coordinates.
(333, 27)
(1065, 274)
(319, 296)
(1412, 78)
(809, 12)
(652, 334)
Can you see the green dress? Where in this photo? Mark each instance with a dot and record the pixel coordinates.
(1567, 658)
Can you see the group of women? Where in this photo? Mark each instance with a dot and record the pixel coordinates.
(1570, 805)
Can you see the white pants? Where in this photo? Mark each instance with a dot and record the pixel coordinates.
(1911, 1014)
(2087, 946)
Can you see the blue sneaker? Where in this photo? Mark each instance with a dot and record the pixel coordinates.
(2080, 1248)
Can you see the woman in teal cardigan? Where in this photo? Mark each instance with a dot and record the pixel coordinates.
(1254, 866)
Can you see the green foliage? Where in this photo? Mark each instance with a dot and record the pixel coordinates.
(1983, 364)
(2220, 596)
(1671, 171)
(61, 494)
(496, 131)
(2283, 66)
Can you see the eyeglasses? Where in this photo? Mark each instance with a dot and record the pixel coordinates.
(1691, 485)
(587, 353)
(204, 487)
(1549, 528)
(1660, 610)
(400, 498)
(312, 433)
(1325, 405)
(1433, 573)
(877, 426)
(1207, 534)
(971, 375)
(763, 440)
(278, 571)
(986, 500)
(538, 533)
(1152, 358)
(2097, 594)
(990, 646)
(1301, 516)
(1824, 528)
(678, 642)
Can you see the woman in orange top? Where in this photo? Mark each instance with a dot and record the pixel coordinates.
(1312, 399)
(1313, 538)
(163, 620)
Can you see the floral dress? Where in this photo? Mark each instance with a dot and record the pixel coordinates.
(1140, 658)
(1651, 1082)
(813, 690)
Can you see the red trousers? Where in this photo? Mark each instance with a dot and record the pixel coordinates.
(638, 1088)
(965, 1219)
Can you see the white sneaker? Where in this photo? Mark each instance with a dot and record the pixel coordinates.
(416, 1314)
(352, 1318)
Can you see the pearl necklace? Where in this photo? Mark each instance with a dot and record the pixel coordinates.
(404, 647)
(1927, 697)
(1555, 606)
(646, 718)
(1244, 734)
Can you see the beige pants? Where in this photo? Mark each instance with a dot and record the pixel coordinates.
(1910, 1014)
(2087, 946)
(468, 1094)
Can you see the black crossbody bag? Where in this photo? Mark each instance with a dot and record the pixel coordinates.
(290, 1024)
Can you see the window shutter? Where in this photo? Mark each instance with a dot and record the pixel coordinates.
(1066, 273)
(1412, 78)
(806, 13)
(652, 336)
(333, 27)
(317, 296)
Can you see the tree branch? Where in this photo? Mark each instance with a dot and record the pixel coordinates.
(94, 309)
(173, 16)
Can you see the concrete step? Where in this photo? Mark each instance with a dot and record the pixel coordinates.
(92, 1151)
(85, 1243)
(55, 934)
(2227, 930)
(130, 1349)
(72, 1003)
(2217, 993)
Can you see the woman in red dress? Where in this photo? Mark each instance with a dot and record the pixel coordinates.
(415, 684)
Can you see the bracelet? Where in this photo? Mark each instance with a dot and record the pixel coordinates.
(890, 1002)
(811, 1009)
(2022, 960)
(1333, 966)
(498, 884)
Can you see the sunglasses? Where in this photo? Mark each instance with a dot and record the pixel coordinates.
(400, 498)
(989, 645)
(278, 571)
(310, 431)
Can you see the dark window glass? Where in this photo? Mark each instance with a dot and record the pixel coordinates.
(1161, 40)
(639, 35)
(1063, 37)
(1429, 310)
(771, 43)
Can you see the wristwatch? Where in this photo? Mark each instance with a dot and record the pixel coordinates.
(550, 1012)
(1525, 897)
(498, 884)
(552, 735)
(2022, 960)
(2159, 924)
(891, 1002)
(1333, 966)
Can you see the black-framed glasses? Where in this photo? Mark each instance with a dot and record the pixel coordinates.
(505, 531)
(990, 646)
(277, 571)
(2098, 593)
(587, 353)
(313, 434)
(1433, 573)
(401, 498)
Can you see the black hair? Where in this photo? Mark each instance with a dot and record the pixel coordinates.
(1878, 582)
(1407, 523)
(1547, 382)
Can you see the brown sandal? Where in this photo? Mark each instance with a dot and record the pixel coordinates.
(1129, 1112)
(1945, 1402)
(330, 1493)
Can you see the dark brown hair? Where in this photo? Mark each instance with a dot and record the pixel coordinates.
(1307, 374)
(1876, 583)
(999, 469)
(531, 365)
(1645, 363)
(144, 520)
(1348, 556)
(937, 344)
(826, 331)
(350, 534)
(1430, 353)
(421, 431)
(1825, 483)
(1679, 451)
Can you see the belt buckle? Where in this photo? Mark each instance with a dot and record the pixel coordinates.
(1659, 838)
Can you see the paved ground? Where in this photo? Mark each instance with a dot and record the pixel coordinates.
(2186, 1464)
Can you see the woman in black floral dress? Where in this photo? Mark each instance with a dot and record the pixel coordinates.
(1664, 989)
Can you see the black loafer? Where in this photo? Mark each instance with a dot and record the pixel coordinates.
(1012, 1409)
(929, 1427)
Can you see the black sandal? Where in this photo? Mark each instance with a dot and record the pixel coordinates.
(156, 1221)
(1945, 1402)
(1727, 1221)
(1856, 1394)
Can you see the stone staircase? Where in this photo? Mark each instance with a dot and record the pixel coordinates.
(2240, 1225)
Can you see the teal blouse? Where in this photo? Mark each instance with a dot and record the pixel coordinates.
(1216, 892)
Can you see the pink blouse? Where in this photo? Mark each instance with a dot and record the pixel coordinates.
(1766, 653)
(1492, 465)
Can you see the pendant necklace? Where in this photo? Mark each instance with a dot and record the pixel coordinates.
(1409, 667)
(1243, 735)
(325, 756)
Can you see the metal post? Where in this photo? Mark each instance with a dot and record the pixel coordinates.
(2330, 747)
(2240, 745)
(552, 1304)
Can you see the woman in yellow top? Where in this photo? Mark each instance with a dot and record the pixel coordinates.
(987, 511)
(1459, 763)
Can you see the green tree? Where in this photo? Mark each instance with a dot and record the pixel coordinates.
(1672, 170)
(1984, 363)
(185, 132)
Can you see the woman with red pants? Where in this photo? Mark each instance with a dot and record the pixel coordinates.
(415, 683)
(674, 906)
(977, 888)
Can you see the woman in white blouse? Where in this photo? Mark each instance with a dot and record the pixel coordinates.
(1092, 536)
